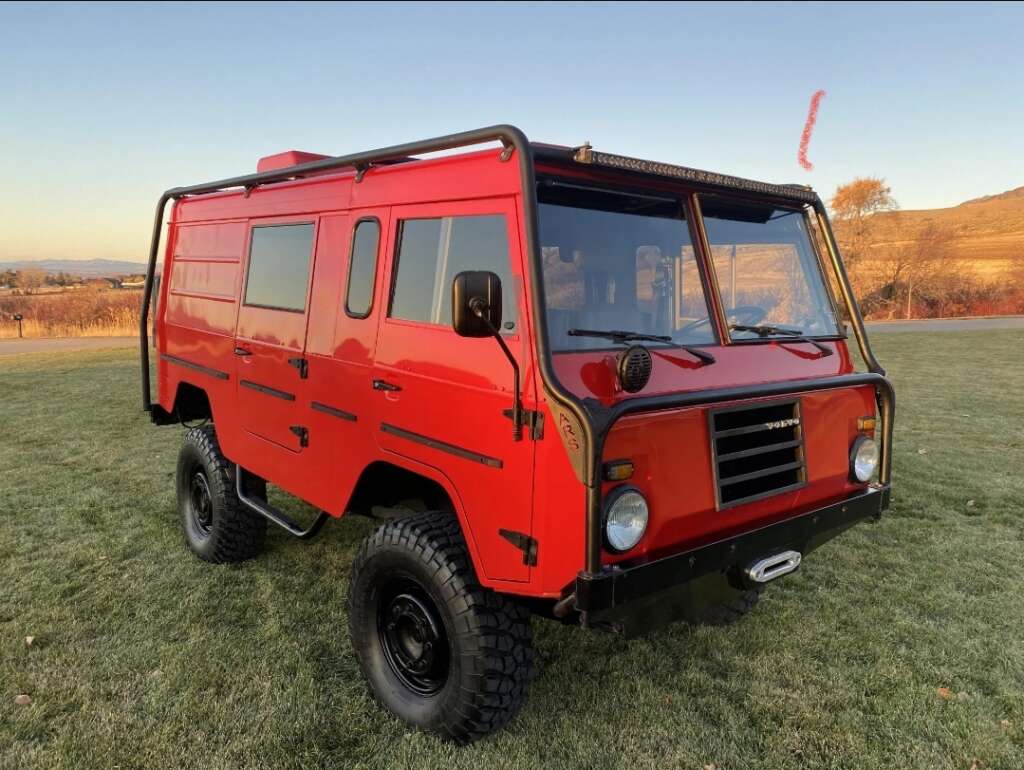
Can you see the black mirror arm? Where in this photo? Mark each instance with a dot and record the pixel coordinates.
(479, 307)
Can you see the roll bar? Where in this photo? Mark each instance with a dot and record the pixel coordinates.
(594, 419)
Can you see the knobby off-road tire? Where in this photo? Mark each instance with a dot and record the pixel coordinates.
(728, 612)
(218, 527)
(438, 650)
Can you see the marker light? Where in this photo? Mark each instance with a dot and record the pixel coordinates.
(618, 470)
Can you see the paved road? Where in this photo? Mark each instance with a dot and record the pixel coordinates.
(13, 347)
(948, 324)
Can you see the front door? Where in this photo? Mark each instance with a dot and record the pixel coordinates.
(270, 337)
(440, 398)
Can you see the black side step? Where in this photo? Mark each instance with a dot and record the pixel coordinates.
(267, 511)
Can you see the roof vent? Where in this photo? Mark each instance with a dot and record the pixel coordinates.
(286, 159)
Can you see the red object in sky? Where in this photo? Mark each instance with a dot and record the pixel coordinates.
(805, 137)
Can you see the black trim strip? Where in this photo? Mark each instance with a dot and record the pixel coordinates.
(316, 406)
(267, 390)
(197, 367)
(433, 443)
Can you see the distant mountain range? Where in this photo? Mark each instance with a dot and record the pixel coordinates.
(85, 268)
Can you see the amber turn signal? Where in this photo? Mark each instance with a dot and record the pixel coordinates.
(618, 470)
(866, 424)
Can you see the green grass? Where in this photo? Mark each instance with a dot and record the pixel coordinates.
(146, 657)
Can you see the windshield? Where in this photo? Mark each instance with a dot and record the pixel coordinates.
(768, 274)
(618, 261)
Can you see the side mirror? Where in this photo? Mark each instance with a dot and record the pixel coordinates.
(476, 303)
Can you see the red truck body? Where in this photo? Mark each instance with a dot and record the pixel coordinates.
(315, 369)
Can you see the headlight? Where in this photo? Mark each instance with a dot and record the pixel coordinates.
(863, 458)
(625, 519)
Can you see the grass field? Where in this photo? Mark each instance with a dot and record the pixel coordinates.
(145, 657)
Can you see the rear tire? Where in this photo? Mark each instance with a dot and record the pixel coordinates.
(731, 611)
(218, 527)
(437, 649)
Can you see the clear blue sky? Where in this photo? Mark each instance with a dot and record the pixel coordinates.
(102, 107)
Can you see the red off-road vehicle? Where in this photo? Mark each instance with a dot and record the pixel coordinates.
(609, 391)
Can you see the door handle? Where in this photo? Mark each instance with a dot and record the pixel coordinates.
(240, 351)
(385, 385)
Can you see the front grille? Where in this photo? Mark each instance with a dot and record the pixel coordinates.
(757, 451)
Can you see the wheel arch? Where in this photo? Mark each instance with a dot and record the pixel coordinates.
(191, 402)
(400, 475)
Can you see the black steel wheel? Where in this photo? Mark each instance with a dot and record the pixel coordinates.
(217, 526)
(413, 637)
(200, 503)
(437, 649)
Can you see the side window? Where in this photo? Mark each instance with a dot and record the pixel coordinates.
(279, 258)
(362, 268)
(431, 252)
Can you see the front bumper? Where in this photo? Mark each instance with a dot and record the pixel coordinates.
(636, 598)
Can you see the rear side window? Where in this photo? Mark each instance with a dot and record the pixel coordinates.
(279, 258)
(431, 252)
(362, 268)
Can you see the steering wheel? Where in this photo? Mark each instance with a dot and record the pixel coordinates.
(746, 315)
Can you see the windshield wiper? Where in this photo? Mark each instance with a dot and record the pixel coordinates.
(794, 335)
(623, 337)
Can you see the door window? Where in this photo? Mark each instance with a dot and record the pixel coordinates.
(362, 268)
(279, 260)
(431, 252)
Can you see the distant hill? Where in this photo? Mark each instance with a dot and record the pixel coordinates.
(86, 268)
(987, 232)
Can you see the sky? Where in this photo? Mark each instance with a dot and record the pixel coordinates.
(103, 107)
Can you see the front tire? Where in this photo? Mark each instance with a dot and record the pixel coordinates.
(218, 527)
(437, 650)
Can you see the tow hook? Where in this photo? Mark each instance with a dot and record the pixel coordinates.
(771, 567)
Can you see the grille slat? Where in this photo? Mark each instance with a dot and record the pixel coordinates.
(759, 474)
(757, 451)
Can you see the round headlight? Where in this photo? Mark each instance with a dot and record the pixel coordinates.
(625, 519)
(863, 458)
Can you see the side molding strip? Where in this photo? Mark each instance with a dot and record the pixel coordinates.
(268, 391)
(197, 367)
(433, 443)
(316, 406)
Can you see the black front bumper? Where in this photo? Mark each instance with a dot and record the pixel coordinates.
(635, 598)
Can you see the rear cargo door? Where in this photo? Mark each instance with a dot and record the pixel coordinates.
(271, 368)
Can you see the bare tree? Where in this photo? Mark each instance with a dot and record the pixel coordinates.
(930, 260)
(31, 279)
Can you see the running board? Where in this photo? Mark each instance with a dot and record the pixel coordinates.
(267, 511)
